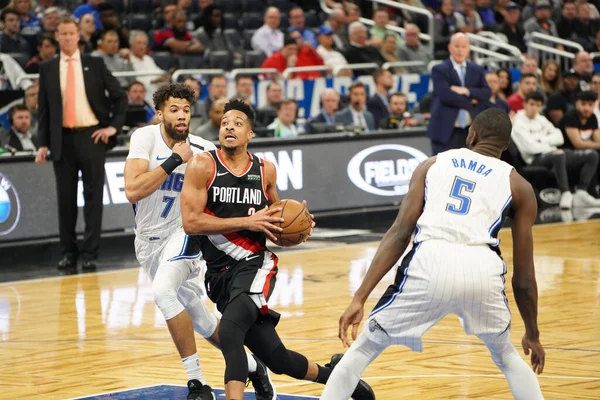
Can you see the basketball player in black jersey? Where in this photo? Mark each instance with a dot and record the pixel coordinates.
(224, 203)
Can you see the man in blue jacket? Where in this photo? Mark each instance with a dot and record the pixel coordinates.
(460, 92)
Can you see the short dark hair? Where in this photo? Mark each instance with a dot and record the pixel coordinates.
(396, 94)
(242, 106)
(356, 85)
(109, 32)
(17, 107)
(587, 96)
(238, 78)
(285, 102)
(67, 20)
(7, 11)
(46, 37)
(132, 84)
(528, 75)
(175, 90)
(378, 74)
(217, 76)
(273, 83)
(493, 125)
(535, 96)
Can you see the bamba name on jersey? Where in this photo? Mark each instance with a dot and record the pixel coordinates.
(472, 165)
(237, 195)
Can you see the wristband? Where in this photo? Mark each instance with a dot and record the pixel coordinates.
(171, 163)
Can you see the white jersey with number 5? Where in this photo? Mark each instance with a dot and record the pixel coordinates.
(466, 197)
(160, 212)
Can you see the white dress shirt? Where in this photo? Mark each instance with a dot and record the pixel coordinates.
(267, 40)
(331, 57)
(146, 63)
(358, 118)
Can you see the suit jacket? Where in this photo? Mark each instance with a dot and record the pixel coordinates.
(446, 103)
(319, 119)
(110, 111)
(345, 117)
(377, 107)
(10, 138)
(358, 55)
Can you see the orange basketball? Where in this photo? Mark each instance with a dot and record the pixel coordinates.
(296, 225)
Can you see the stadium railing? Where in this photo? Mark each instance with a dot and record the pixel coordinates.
(541, 45)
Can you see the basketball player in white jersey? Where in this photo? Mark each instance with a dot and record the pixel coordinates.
(455, 206)
(154, 173)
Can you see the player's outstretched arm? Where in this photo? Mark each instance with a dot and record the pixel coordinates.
(390, 249)
(523, 281)
(194, 196)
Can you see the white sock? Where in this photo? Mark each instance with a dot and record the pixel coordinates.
(345, 376)
(251, 363)
(192, 367)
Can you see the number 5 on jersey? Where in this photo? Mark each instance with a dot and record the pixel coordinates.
(460, 186)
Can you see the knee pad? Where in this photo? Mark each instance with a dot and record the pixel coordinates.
(205, 323)
(501, 353)
(165, 298)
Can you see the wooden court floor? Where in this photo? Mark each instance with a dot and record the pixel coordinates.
(82, 335)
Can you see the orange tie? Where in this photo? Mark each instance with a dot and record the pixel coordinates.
(70, 113)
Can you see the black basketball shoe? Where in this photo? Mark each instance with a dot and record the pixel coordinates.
(363, 391)
(198, 391)
(261, 381)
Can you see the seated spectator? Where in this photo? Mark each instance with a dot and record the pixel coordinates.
(268, 38)
(296, 20)
(284, 124)
(11, 40)
(202, 4)
(30, 23)
(31, 102)
(378, 103)
(136, 96)
(500, 10)
(197, 109)
(210, 129)
(90, 7)
(358, 51)
(512, 27)
(168, 16)
(110, 22)
(389, 52)
(19, 136)
(399, 116)
(217, 88)
(50, 21)
(295, 53)
(551, 78)
(538, 140)
(541, 22)
(563, 100)
(87, 27)
(486, 14)
(141, 61)
(530, 66)
(413, 50)
(580, 125)
(46, 50)
(381, 17)
(211, 32)
(274, 96)
(467, 19)
(244, 88)
(115, 61)
(330, 100)
(584, 67)
(565, 25)
(43, 5)
(505, 82)
(176, 38)
(337, 21)
(352, 12)
(445, 27)
(356, 114)
(495, 101)
(527, 84)
(586, 28)
(332, 58)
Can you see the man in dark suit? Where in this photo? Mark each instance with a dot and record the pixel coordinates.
(78, 123)
(460, 92)
(356, 114)
(324, 122)
(378, 103)
(19, 137)
(358, 51)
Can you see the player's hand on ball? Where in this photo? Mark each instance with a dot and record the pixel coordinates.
(184, 150)
(352, 316)
(538, 356)
(312, 217)
(263, 220)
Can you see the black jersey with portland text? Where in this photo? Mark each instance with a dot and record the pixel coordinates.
(232, 196)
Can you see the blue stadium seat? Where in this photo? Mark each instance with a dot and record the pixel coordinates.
(221, 59)
(252, 20)
(253, 59)
(141, 22)
(165, 60)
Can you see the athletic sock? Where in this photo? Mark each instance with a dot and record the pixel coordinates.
(251, 363)
(192, 367)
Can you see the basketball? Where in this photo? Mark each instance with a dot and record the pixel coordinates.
(296, 225)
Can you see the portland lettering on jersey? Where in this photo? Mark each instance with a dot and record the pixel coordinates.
(237, 195)
(471, 165)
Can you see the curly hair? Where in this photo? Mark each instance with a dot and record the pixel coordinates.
(175, 90)
(240, 105)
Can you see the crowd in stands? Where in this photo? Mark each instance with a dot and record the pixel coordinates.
(162, 36)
